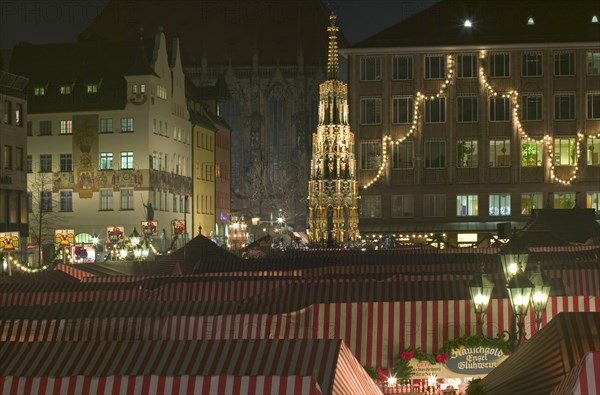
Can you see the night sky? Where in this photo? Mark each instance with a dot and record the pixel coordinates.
(54, 21)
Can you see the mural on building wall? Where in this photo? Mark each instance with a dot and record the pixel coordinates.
(85, 154)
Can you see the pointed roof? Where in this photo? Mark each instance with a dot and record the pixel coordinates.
(332, 54)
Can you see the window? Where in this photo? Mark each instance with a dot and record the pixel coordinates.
(19, 114)
(564, 200)
(7, 118)
(92, 88)
(499, 109)
(532, 64)
(161, 92)
(127, 124)
(134, 88)
(402, 67)
(175, 203)
(435, 110)
(45, 128)
(106, 161)
(46, 201)
(592, 200)
(593, 62)
(499, 204)
(65, 127)
(19, 158)
(467, 108)
(435, 67)
(402, 109)
(467, 66)
(370, 68)
(29, 128)
(467, 206)
(434, 206)
(435, 154)
(106, 125)
(530, 21)
(593, 106)
(467, 154)
(8, 159)
(564, 151)
(29, 202)
(370, 206)
(564, 63)
(531, 153)
(403, 155)
(29, 164)
(45, 163)
(531, 107)
(126, 160)
(499, 65)
(370, 155)
(499, 152)
(66, 201)
(593, 151)
(142, 88)
(126, 198)
(106, 199)
(66, 162)
(370, 110)
(564, 107)
(403, 206)
(531, 201)
(65, 89)
(39, 91)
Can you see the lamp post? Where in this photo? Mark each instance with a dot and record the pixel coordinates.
(480, 289)
(540, 295)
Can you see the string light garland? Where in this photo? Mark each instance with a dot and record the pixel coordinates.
(577, 153)
(23, 267)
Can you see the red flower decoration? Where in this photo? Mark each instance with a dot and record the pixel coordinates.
(383, 374)
(407, 355)
(441, 358)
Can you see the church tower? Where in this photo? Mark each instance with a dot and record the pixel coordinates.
(332, 187)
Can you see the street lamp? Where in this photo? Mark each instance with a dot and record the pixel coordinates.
(480, 289)
(540, 295)
(512, 254)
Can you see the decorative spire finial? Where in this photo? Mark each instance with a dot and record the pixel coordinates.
(332, 60)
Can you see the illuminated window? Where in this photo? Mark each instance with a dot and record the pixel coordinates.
(402, 109)
(65, 89)
(402, 67)
(466, 66)
(161, 92)
(66, 126)
(92, 88)
(19, 114)
(594, 18)
(531, 153)
(499, 65)
(134, 88)
(435, 154)
(530, 21)
(403, 206)
(106, 161)
(435, 66)
(564, 63)
(370, 155)
(127, 124)
(592, 200)
(370, 110)
(564, 151)
(370, 68)
(467, 155)
(403, 155)
(434, 206)
(8, 159)
(106, 125)
(39, 91)
(564, 107)
(467, 206)
(564, 200)
(499, 109)
(593, 62)
(531, 107)
(531, 201)
(593, 151)
(126, 160)
(370, 206)
(499, 152)
(467, 108)
(499, 204)
(532, 64)
(435, 110)
(593, 106)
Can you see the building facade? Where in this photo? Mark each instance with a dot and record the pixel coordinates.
(474, 122)
(332, 188)
(13, 148)
(109, 138)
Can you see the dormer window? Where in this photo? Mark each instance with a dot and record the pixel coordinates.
(65, 89)
(142, 88)
(594, 18)
(92, 88)
(39, 91)
(134, 88)
(530, 21)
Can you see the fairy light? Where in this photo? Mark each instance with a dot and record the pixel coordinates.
(573, 175)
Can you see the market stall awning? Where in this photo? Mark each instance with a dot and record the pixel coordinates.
(583, 379)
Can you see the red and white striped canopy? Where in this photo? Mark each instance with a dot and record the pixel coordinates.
(583, 378)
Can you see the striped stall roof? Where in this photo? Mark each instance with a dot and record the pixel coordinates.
(329, 362)
(540, 364)
(46, 277)
(583, 378)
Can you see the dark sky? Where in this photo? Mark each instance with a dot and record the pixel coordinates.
(52, 21)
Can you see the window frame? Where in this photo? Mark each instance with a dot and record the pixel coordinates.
(592, 105)
(460, 114)
(429, 69)
(493, 157)
(66, 200)
(427, 145)
(441, 110)
(559, 106)
(396, 109)
(127, 125)
(472, 158)
(472, 205)
(127, 199)
(474, 65)
(407, 206)
(106, 199)
(558, 150)
(370, 73)
(126, 160)
(370, 103)
(527, 206)
(499, 104)
(496, 201)
(396, 68)
(538, 104)
(527, 61)
(558, 64)
(66, 127)
(66, 163)
(366, 154)
(437, 202)
(406, 147)
(493, 65)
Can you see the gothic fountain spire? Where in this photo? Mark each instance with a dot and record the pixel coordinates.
(332, 56)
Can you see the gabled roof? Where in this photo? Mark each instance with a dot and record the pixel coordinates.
(493, 23)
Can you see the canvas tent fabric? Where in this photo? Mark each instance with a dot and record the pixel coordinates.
(540, 364)
(329, 362)
(583, 379)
